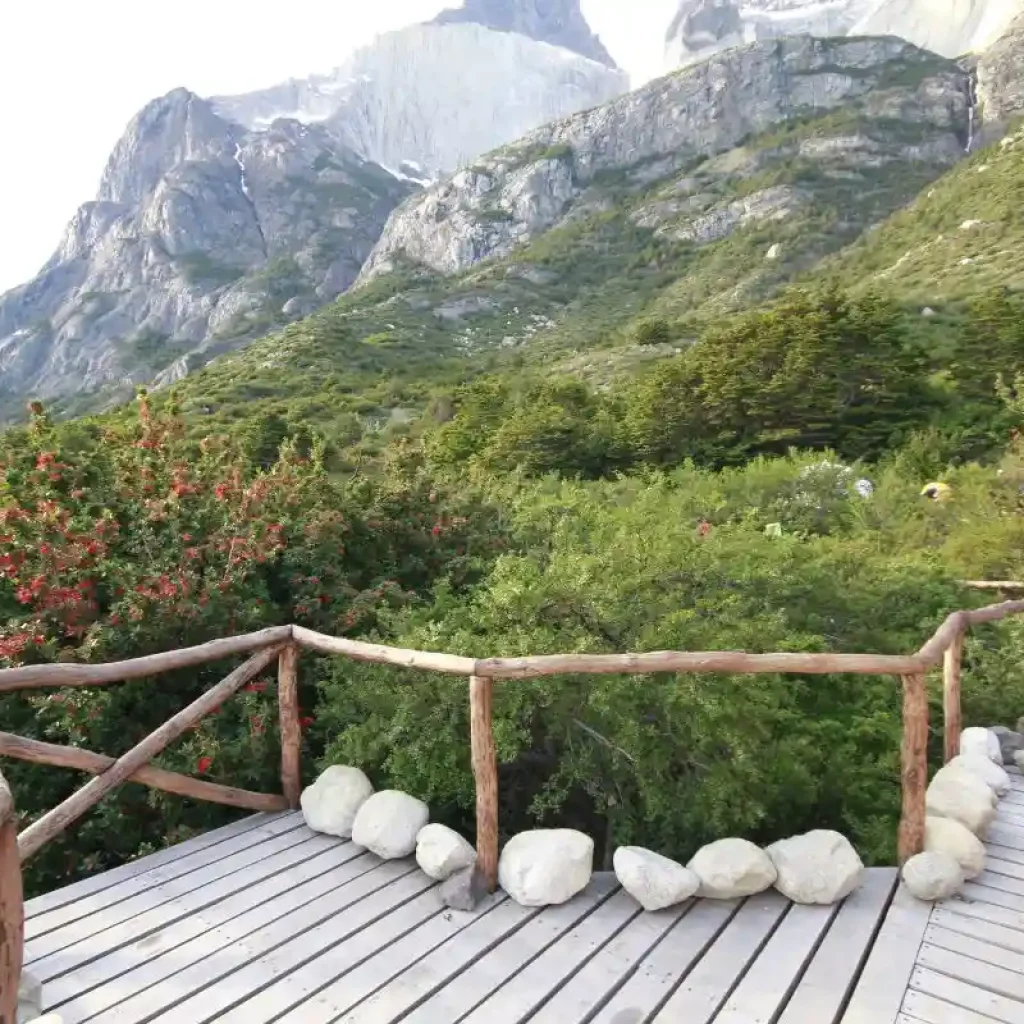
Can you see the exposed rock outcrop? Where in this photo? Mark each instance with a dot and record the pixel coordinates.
(200, 234)
(517, 193)
(701, 28)
(559, 22)
(1000, 75)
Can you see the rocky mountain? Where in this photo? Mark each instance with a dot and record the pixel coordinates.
(1000, 75)
(554, 175)
(947, 27)
(436, 96)
(559, 22)
(701, 194)
(218, 219)
(202, 234)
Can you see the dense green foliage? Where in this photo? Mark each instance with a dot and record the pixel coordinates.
(133, 540)
(816, 370)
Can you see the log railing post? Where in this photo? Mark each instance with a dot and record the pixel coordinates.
(12, 909)
(952, 724)
(913, 767)
(291, 729)
(485, 772)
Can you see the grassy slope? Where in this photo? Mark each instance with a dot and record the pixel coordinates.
(374, 359)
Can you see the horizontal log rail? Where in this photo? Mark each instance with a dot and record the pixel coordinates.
(699, 661)
(33, 676)
(156, 778)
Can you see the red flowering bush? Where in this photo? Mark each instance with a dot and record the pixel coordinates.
(128, 539)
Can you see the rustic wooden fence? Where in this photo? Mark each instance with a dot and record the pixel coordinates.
(283, 644)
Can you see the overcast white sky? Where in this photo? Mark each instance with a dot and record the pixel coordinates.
(74, 72)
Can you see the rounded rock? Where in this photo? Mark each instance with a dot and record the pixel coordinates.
(441, 851)
(389, 822)
(819, 867)
(546, 867)
(933, 876)
(949, 836)
(730, 868)
(330, 804)
(976, 740)
(956, 793)
(992, 774)
(654, 881)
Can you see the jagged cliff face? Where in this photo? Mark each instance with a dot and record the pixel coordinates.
(1000, 76)
(553, 175)
(202, 234)
(559, 22)
(436, 96)
(217, 220)
(947, 27)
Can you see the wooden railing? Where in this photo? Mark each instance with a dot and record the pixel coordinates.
(283, 644)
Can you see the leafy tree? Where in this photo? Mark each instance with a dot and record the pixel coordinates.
(653, 331)
(812, 371)
(132, 539)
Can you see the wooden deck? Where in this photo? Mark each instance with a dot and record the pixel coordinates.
(267, 921)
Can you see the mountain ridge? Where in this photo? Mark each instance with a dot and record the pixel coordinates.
(513, 194)
(559, 22)
(207, 231)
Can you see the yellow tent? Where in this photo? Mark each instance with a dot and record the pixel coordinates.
(936, 491)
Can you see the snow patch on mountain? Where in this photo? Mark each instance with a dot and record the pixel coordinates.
(947, 27)
(437, 95)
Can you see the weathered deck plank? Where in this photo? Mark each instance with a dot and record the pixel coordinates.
(146, 913)
(95, 883)
(269, 922)
(879, 994)
(246, 967)
(823, 990)
(128, 970)
(669, 962)
(42, 921)
(704, 991)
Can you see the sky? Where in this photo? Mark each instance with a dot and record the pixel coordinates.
(74, 72)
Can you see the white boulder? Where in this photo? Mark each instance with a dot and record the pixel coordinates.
(729, 868)
(546, 866)
(956, 793)
(946, 835)
(654, 881)
(389, 822)
(992, 774)
(817, 867)
(441, 851)
(976, 740)
(933, 876)
(331, 803)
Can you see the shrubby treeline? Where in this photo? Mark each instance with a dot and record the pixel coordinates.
(816, 370)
